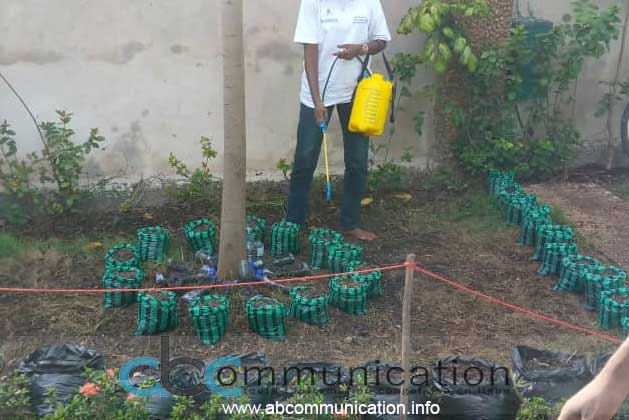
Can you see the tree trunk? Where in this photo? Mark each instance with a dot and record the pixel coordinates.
(481, 32)
(232, 236)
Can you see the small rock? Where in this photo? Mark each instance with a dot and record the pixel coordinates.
(348, 340)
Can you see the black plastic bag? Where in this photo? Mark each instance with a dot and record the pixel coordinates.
(476, 390)
(554, 376)
(258, 385)
(382, 380)
(59, 367)
(158, 407)
(326, 378)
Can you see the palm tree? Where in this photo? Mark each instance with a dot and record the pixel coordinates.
(232, 240)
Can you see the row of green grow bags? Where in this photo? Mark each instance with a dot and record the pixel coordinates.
(603, 286)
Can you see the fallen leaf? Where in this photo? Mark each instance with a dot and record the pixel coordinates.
(366, 201)
(94, 245)
(404, 196)
(148, 216)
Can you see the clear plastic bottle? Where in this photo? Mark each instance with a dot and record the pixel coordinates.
(255, 248)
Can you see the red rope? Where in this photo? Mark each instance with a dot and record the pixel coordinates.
(516, 308)
(418, 268)
(206, 287)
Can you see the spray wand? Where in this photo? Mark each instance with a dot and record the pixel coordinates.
(328, 185)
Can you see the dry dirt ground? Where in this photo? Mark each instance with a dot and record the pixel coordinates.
(458, 234)
(601, 216)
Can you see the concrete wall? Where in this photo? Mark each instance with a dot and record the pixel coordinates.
(148, 74)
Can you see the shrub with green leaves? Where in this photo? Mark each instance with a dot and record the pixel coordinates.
(200, 184)
(59, 165)
(65, 159)
(538, 409)
(446, 40)
(102, 398)
(15, 401)
(502, 130)
(16, 178)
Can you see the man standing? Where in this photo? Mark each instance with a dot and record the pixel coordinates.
(328, 29)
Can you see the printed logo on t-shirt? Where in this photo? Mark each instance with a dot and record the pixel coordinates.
(361, 19)
(328, 18)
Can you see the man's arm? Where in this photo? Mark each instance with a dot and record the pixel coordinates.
(602, 398)
(311, 63)
(351, 51)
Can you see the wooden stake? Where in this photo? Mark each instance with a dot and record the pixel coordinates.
(407, 299)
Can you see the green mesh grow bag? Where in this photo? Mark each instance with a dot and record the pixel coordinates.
(258, 227)
(309, 306)
(267, 317)
(554, 254)
(201, 235)
(120, 278)
(153, 243)
(341, 255)
(122, 256)
(210, 315)
(600, 279)
(532, 218)
(349, 295)
(506, 192)
(515, 208)
(373, 280)
(157, 312)
(285, 239)
(613, 308)
(551, 234)
(321, 240)
(497, 178)
(573, 270)
(625, 325)
(352, 265)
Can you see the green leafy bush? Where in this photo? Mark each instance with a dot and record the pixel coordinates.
(101, 398)
(16, 179)
(59, 165)
(284, 167)
(536, 137)
(15, 400)
(538, 409)
(200, 185)
(440, 20)
(10, 246)
(65, 161)
(500, 127)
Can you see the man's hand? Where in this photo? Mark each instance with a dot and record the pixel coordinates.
(321, 113)
(349, 51)
(594, 402)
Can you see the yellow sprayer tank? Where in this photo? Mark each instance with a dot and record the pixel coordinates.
(371, 106)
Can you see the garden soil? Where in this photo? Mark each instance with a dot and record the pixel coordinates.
(459, 235)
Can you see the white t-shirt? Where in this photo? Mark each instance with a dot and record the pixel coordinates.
(330, 23)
